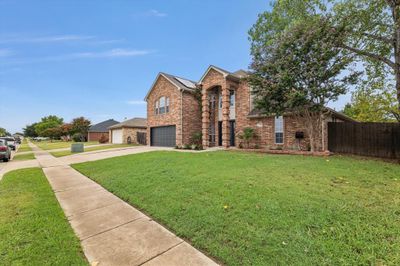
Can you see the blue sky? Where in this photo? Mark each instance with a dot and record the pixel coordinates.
(99, 58)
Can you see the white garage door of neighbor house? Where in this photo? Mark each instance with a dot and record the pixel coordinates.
(117, 136)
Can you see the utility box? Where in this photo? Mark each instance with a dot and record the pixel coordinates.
(77, 147)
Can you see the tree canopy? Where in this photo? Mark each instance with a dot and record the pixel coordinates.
(4, 132)
(371, 34)
(47, 122)
(300, 68)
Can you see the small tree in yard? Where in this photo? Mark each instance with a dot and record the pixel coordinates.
(197, 139)
(80, 125)
(247, 135)
(300, 71)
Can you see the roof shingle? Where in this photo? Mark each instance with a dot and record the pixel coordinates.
(103, 126)
(136, 122)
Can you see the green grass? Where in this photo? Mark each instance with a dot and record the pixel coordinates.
(22, 157)
(256, 209)
(97, 148)
(57, 144)
(24, 146)
(33, 228)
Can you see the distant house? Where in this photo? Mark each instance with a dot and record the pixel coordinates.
(101, 129)
(129, 131)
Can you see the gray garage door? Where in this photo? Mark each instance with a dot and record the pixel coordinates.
(163, 136)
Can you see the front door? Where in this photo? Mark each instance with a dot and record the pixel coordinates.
(231, 133)
(220, 133)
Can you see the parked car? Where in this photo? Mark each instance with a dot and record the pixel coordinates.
(18, 140)
(10, 142)
(5, 151)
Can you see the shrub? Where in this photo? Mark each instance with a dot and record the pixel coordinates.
(78, 137)
(187, 147)
(247, 135)
(103, 139)
(197, 138)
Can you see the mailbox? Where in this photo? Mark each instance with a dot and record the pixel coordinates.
(299, 135)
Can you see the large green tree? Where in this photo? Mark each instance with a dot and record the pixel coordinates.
(53, 132)
(374, 36)
(373, 101)
(30, 131)
(4, 132)
(80, 125)
(300, 71)
(47, 122)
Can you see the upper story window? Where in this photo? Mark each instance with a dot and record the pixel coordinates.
(157, 107)
(162, 105)
(252, 98)
(279, 129)
(232, 98)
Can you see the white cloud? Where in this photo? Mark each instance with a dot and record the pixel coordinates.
(136, 102)
(151, 13)
(118, 52)
(45, 39)
(113, 53)
(6, 52)
(156, 13)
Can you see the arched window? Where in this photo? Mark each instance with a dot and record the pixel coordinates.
(167, 105)
(162, 105)
(157, 110)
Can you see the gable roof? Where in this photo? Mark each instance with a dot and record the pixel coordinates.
(136, 122)
(102, 126)
(178, 82)
(227, 74)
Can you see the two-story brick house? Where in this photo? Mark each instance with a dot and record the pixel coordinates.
(220, 105)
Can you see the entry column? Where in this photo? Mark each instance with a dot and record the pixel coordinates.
(225, 116)
(205, 117)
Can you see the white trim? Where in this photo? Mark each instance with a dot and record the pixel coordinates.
(216, 69)
(155, 81)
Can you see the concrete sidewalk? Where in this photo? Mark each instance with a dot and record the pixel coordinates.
(111, 231)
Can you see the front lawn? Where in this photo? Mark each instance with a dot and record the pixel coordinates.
(97, 148)
(255, 209)
(33, 228)
(24, 146)
(57, 144)
(23, 157)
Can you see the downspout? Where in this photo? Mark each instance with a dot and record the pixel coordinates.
(182, 117)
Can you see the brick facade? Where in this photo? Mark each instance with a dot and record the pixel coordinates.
(185, 114)
(184, 110)
(131, 132)
(95, 136)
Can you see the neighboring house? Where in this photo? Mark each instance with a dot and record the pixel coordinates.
(175, 112)
(129, 131)
(101, 129)
(18, 135)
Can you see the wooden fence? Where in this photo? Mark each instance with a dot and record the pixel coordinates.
(368, 139)
(141, 137)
